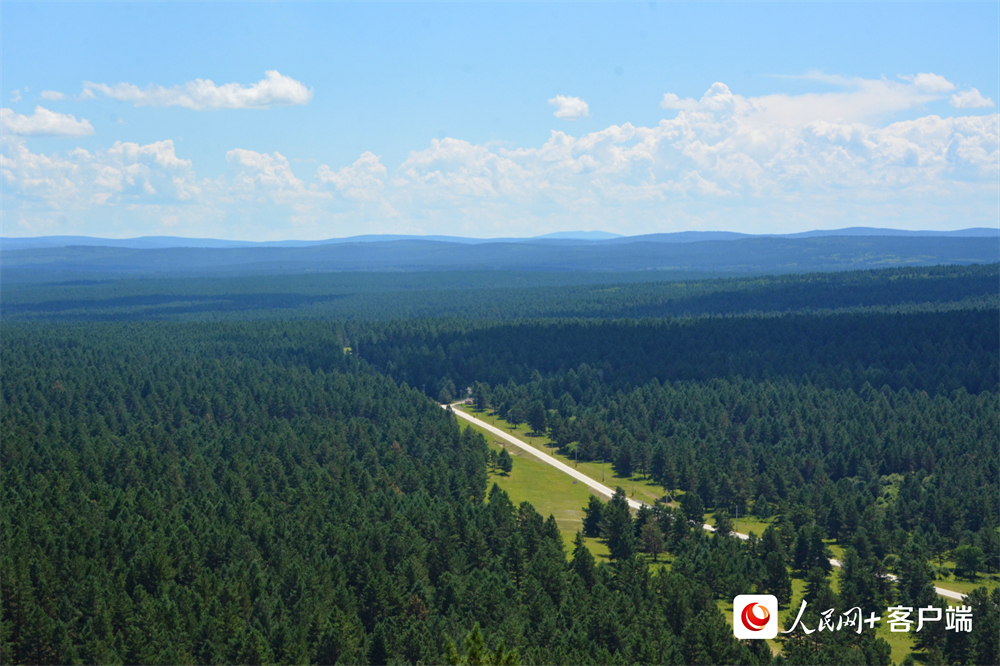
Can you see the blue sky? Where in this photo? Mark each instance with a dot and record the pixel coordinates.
(279, 120)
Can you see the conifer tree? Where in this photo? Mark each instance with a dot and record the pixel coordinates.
(617, 527)
(505, 462)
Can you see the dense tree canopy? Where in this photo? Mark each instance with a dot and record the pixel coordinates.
(178, 494)
(277, 484)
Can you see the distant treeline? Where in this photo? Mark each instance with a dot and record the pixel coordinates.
(937, 352)
(748, 256)
(500, 295)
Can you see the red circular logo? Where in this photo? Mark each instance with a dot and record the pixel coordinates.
(751, 620)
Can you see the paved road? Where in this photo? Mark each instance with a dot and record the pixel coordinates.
(608, 492)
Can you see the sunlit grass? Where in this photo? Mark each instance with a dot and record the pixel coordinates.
(550, 491)
(638, 487)
(744, 525)
(960, 585)
(836, 550)
(900, 642)
(964, 586)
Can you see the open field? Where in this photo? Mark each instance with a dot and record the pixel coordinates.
(639, 488)
(550, 491)
(743, 525)
(964, 586)
(533, 481)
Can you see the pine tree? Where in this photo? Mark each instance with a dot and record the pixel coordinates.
(723, 523)
(505, 462)
(536, 418)
(777, 581)
(583, 561)
(617, 527)
(652, 538)
(593, 516)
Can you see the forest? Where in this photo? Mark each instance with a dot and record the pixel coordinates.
(480, 297)
(228, 475)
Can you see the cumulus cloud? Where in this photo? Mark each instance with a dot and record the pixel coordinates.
(160, 152)
(124, 173)
(452, 169)
(672, 101)
(263, 172)
(807, 160)
(260, 176)
(15, 96)
(52, 95)
(569, 108)
(716, 98)
(727, 149)
(970, 99)
(362, 181)
(859, 100)
(204, 95)
(930, 82)
(44, 123)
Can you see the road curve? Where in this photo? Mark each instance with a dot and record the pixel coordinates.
(608, 492)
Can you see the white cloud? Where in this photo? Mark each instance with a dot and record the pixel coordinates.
(204, 95)
(452, 169)
(970, 99)
(15, 96)
(672, 101)
(260, 176)
(930, 82)
(126, 172)
(362, 181)
(271, 170)
(714, 99)
(269, 185)
(860, 100)
(161, 152)
(794, 160)
(725, 149)
(44, 123)
(569, 108)
(52, 95)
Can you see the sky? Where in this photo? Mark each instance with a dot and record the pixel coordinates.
(270, 121)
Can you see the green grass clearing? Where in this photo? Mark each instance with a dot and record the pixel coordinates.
(547, 489)
(744, 525)
(960, 585)
(965, 586)
(639, 487)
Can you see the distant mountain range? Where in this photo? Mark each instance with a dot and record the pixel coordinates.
(562, 237)
(710, 253)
